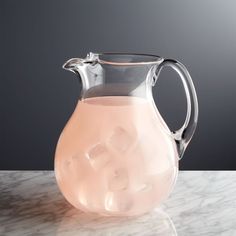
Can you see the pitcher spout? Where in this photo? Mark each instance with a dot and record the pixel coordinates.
(87, 69)
(72, 65)
(75, 64)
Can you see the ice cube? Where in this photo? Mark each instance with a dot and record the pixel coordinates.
(67, 163)
(118, 202)
(98, 156)
(119, 180)
(120, 140)
(156, 153)
(144, 187)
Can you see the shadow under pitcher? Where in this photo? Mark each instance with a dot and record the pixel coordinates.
(116, 155)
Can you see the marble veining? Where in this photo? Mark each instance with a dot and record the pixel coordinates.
(202, 203)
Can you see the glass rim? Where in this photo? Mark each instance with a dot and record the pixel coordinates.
(127, 58)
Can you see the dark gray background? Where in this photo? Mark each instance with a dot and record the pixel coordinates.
(38, 97)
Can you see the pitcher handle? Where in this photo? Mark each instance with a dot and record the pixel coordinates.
(183, 135)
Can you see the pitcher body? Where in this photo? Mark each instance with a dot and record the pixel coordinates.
(116, 155)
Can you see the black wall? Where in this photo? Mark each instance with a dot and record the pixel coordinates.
(37, 97)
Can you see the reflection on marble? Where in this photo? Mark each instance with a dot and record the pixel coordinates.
(154, 223)
(202, 203)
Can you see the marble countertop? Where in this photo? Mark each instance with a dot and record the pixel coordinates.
(202, 203)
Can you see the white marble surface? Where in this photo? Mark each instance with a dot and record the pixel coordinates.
(202, 203)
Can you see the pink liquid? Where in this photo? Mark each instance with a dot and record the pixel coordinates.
(116, 156)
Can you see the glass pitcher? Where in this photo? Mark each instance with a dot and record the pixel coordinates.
(116, 155)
